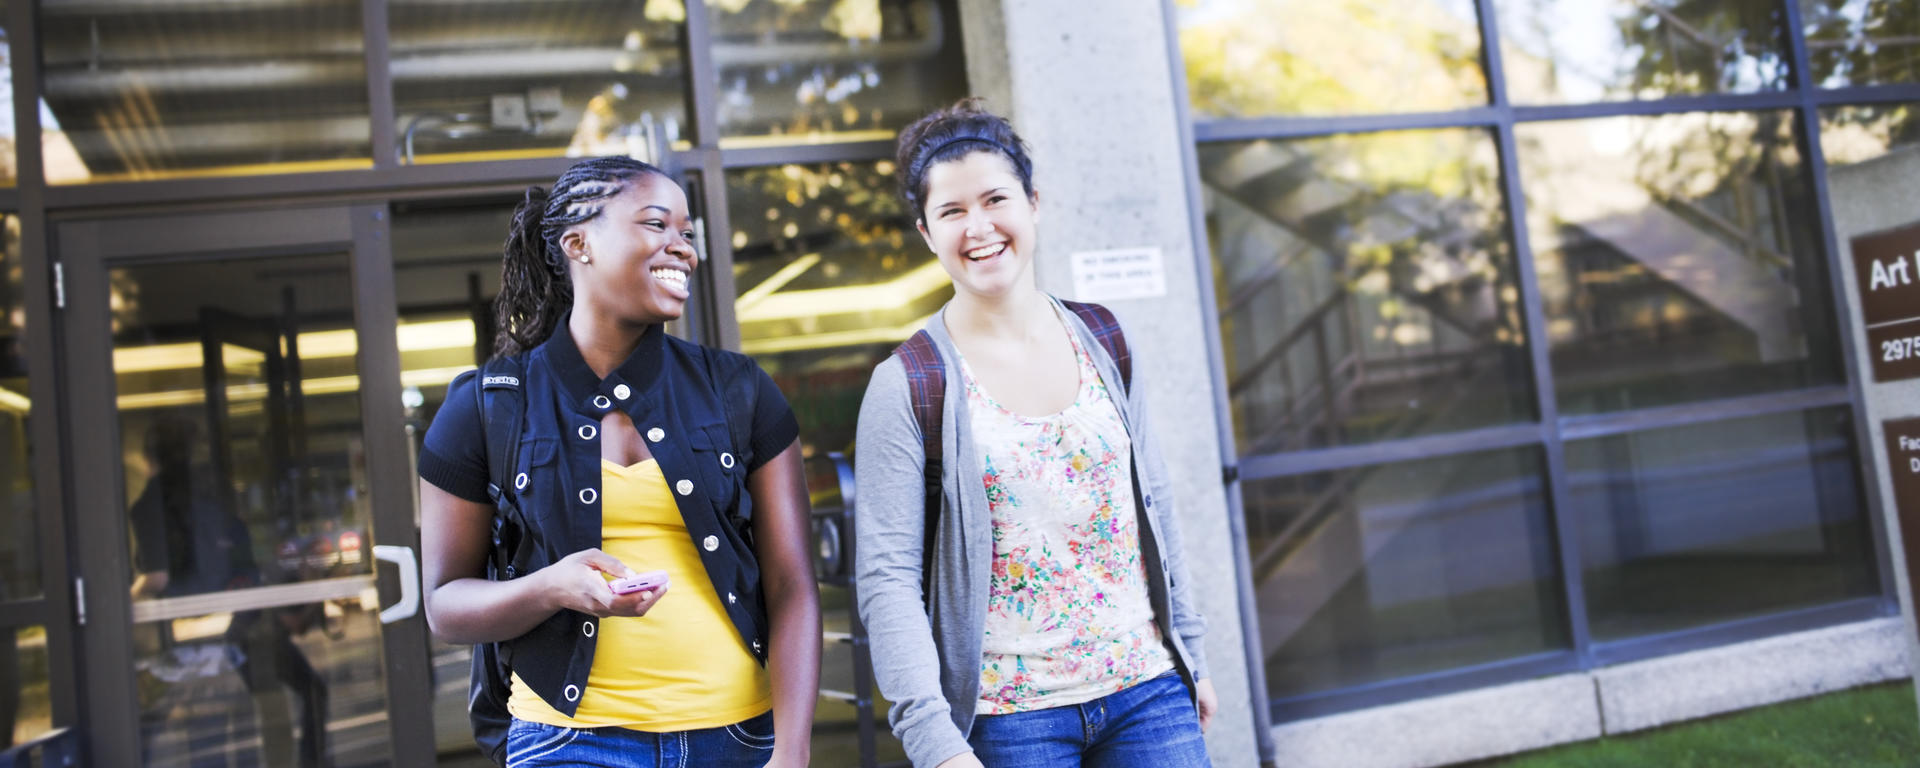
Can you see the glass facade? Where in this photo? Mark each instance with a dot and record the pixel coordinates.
(1528, 326)
(1591, 330)
(478, 81)
(137, 91)
(1367, 288)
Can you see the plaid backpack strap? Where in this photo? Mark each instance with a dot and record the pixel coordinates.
(927, 382)
(1106, 330)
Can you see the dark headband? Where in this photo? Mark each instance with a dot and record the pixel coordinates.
(964, 139)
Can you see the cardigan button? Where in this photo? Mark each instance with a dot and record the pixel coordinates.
(685, 487)
(622, 391)
(573, 693)
(710, 543)
(656, 434)
(586, 628)
(601, 402)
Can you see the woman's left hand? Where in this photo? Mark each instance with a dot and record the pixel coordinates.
(1203, 695)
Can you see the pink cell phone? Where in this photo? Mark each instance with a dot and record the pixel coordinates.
(642, 582)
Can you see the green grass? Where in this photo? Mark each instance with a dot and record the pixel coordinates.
(1873, 726)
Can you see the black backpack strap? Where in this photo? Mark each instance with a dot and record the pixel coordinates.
(927, 382)
(1106, 330)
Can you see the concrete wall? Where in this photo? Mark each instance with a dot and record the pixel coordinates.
(1876, 195)
(1507, 719)
(1090, 86)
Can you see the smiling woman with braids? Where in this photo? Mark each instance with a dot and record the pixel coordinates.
(640, 452)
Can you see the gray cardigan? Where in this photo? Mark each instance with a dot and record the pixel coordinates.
(928, 665)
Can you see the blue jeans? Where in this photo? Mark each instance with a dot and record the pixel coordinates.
(746, 744)
(1151, 724)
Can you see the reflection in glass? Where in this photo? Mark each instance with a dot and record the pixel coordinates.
(26, 704)
(1678, 259)
(834, 70)
(19, 531)
(477, 81)
(239, 423)
(1860, 134)
(1862, 42)
(1265, 58)
(264, 687)
(1575, 51)
(1366, 288)
(138, 90)
(831, 276)
(1689, 526)
(1386, 571)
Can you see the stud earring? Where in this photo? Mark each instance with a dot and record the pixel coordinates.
(586, 258)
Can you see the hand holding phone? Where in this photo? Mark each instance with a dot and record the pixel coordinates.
(651, 580)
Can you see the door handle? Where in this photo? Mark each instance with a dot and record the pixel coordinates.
(409, 566)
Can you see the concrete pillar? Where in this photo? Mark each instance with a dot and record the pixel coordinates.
(1089, 86)
(1870, 197)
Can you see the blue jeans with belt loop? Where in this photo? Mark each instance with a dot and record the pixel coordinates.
(746, 744)
(1151, 725)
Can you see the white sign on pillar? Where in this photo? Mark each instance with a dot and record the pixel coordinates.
(1124, 273)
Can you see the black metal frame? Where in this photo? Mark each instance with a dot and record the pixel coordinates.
(1552, 430)
(87, 675)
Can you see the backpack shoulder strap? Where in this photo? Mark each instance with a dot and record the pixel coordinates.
(503, 412)
(927, 383)
(1106, 330)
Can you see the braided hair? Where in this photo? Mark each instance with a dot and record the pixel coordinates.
(952, 134)
(535, 291)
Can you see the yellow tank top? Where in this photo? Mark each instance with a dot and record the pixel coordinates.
(680, 667)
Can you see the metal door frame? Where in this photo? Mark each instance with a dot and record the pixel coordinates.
(86, 250)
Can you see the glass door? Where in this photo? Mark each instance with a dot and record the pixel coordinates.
(240, 466)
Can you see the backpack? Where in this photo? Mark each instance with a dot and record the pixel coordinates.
(927, 383)
(503, 408)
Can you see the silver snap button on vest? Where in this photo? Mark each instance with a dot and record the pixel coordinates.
(622, 391)
(684, 487)
(726, 460)
(711, 543)
(587, 431)
(587, 629)
(731, 599)
(588, 495)
(520, 482)
(573, 693)
(656, 434)
(601, 402)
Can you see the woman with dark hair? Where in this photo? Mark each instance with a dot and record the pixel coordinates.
(1045, 620)
(640, 453)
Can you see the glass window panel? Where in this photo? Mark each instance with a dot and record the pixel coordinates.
(832, 70)
(1678, 259)
(830, 277)
(1856, 42)
(1862, 134)
(144, 90)
(1575, 51)
(1373, 573)
(240, 423)
(26, 703)
(1265, 58)
(1694, 525)
(19, 547)
(291, 685)
(492, 80)
(1366, 288)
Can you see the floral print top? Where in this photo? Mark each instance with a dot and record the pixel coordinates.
(1068, 616)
